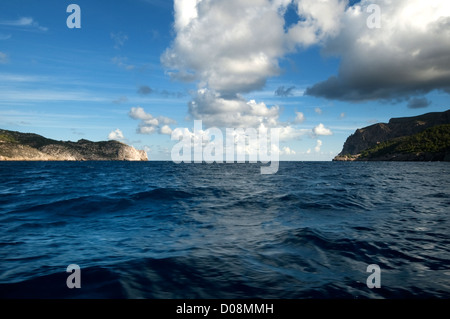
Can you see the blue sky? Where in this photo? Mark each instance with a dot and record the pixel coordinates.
(133, 69)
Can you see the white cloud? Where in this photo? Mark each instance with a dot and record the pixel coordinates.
(233, 113)
(287, 151)
(166, 120)
(231, 46)
(300, 118)
(116, 135)
(321, 130)
(408, 56)
(138, 113)
(24, 22)
(288, 132)
(216, 111)
(166, 130)
(318, 146)
(19, 22)
(321, 19)
(318, 110)
(150, 124)
(185, 12)
(146, 130)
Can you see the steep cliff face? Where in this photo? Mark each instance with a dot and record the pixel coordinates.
(370, 136)
(357, 145)
(16, 146)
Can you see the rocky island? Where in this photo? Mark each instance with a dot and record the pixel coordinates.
(16, 146)
(420, 138)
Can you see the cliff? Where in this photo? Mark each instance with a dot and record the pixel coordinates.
(16, 146)
(420, 138)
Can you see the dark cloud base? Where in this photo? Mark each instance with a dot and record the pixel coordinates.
(365, 89)
(285, 92)
(418, 103)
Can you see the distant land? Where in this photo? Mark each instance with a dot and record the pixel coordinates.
(16, 146)
(421, 138)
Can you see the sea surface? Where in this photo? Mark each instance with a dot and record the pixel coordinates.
(161, 230)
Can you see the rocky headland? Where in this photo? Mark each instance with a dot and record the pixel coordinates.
(16, 146)
(420, 138)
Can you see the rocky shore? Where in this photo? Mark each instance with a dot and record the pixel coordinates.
(16, 146)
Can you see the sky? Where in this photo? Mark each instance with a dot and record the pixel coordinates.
(136, 70)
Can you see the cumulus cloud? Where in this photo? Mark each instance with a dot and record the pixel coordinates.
(288, 132)
(318, 146)
(150, 124)
(321, 130)
(165, 130)
(116, 135)
(287, 151)
(300, 118)
(318, 110)
(234, 46)
(409, 55)
(418, 103)
(214, 110)
(319, 21)
(231, 48)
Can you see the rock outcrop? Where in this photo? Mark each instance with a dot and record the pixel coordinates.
(402, 139)
(16, 146)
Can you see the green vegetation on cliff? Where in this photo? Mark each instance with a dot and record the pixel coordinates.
(434, 140)
(424, 137)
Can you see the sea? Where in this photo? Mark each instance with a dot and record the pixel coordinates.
(160, 230)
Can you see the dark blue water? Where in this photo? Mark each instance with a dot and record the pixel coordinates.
(162, 230)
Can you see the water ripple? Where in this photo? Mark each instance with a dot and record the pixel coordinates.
(161, 230)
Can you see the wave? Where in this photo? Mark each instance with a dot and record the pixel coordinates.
(362, 250)
(210, 277)
(165, 194)
(168, 278)
(158, 230)
(97, 282)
